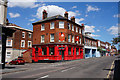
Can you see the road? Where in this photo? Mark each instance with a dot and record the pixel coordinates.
(85, 68)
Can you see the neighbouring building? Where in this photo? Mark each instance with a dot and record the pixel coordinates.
(90, 47)
(57, 38)
(104, 47)
(20, 41)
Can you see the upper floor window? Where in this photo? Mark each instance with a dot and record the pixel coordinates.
(42, 27)
(76, 29)
(69, 26)
(80, 40)
(22, 43)
(23, 34)
(52, 25)
(9, 42)
(72, 39)
(69, 38)
(29, 44)
(61, 24)
(72, 27)
(51, 37)
(30, 35)
(79, 30)
(42, 39)
(82, 31)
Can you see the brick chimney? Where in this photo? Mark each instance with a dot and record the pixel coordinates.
(44, 14)
(73, 19)
(66, 15)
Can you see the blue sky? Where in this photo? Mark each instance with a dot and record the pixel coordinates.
(101, 18)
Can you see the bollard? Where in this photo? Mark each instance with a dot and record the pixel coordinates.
(117, 70)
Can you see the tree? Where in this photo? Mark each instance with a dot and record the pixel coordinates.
(115, 40)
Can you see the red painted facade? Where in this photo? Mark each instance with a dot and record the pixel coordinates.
(37, 54)
(61, 48)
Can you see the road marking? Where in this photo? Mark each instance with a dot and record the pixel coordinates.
(42, 77)
(67, 69)
(45, 76)
(110, 69)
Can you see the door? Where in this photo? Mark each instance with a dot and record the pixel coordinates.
(61, 52)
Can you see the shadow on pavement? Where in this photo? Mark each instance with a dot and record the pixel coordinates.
(108, 69)
(9, 67)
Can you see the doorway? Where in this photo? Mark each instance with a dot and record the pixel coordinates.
(61, 52)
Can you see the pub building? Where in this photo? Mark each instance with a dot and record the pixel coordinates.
(57, 38)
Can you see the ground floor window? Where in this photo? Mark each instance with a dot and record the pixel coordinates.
(77, 51)
(44, 51)
(51, 51)
(69, 50)
(8, 54)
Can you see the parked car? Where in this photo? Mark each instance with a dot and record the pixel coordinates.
(17, 61)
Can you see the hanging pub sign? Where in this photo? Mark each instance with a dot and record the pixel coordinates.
(61, 36)
(77, 38)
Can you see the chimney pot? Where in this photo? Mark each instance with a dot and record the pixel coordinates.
(44, 14)
(66, 15)
(73, 19)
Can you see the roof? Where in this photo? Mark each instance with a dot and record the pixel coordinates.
(53, 18)
(90, 38)
(10, 25)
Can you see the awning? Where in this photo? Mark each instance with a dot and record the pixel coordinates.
(104, 49)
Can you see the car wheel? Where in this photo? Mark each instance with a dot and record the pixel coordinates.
(17, 63)
(10, 63)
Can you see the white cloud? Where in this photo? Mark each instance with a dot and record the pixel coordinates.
(98, 30)
(28, 24)
(91, 8)
(116, 15)
(113, 30)
(53, 10)
(31, 19)
(76, 11)
(86, 15)
(79, 20)
(74, 7)
(89, 28)
(12, 15)
(93, 35)
(23, 3)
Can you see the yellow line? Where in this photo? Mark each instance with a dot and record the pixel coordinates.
(110, 69)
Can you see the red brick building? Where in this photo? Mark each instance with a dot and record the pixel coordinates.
(57, 38)
(20, 41)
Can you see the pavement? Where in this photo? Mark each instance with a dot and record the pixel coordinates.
(84, 68)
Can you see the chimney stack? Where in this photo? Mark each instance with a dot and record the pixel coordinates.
(66, 15)
(73, 19)
(44, 14)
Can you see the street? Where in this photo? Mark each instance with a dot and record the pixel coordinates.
(85, 68)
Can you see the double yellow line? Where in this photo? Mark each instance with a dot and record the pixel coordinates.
(110, 69)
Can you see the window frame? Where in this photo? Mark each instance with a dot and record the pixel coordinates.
(22, 34)
(51, 38)
(62, 25)
(52, 26)
(73, 39)
(72, 27)
(42, 41)
(30, 43)
(30, 35)
(24, 43)
(42, 27)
